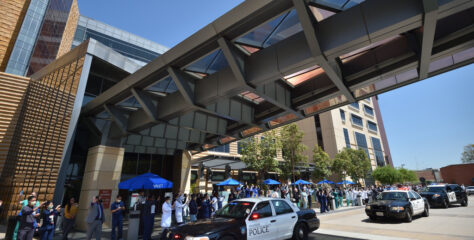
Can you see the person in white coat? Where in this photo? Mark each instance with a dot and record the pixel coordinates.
(178, 209)
(167, 208)
(355, 192)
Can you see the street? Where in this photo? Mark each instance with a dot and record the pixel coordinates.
(453, 223)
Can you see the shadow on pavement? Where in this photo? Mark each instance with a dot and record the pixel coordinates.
(388, 220)
(320, 236)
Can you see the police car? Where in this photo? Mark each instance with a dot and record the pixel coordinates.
(400, 204)
(251, 218)
(445, 195)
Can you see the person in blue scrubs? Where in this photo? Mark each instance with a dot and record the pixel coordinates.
(117, 209)
(48, 214)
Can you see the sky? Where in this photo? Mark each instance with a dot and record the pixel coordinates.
(427, 123)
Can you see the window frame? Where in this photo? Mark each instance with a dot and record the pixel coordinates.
(260, 216)
(284, 203)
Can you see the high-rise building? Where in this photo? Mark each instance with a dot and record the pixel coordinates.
(358, 125)
(45, 33)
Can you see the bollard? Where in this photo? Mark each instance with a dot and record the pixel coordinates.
(133, 225)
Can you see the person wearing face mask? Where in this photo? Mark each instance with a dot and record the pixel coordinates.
(28, 217)
(117, 209)
(95, 219)
(179, 205)
(23, 204)
(47, 215)
(167, 208)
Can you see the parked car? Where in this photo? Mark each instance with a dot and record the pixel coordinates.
(470, 190)
(251, 218)
(445, 195)
(399, 204)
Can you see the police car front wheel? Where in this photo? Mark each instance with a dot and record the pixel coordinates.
(300, 232)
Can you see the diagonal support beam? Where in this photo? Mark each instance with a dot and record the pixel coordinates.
(184, 83)
(119, 117)
(235, 59)
(331, 69)
(430, 8)
(147, 103)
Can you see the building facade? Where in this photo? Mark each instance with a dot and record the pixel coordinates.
(356, 126)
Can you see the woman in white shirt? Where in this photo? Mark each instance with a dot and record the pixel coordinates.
(166, 216)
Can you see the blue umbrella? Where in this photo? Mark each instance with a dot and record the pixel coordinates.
(346, 182)
(271, 182)
(229, 182)
(301, 181)
(326, 181)
(145, 181)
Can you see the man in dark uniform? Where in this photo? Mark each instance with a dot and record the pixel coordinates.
(148, 217)
(117, 209)
(28, 218)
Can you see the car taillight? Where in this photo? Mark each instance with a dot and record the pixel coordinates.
(177, 236)
(254, 216)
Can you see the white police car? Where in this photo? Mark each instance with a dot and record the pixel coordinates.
(251, 218)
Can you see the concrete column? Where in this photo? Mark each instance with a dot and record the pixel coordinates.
(103, 171)
(182, 172)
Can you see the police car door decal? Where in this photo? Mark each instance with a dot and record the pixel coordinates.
(259, 224)
(452, 196)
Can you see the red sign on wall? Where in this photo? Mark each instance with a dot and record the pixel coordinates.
(105, 195)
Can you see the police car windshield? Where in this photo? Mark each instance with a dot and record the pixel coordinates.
(393, 196)
(235, 209)
(435, 189)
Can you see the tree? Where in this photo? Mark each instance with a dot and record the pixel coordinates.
(407, 176)
(341, 163)
(468, 154)
(359, 164)
(292, 146)
(386, 175)
(322, 163)
(261, 155)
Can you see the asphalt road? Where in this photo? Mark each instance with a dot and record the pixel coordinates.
(454, 223)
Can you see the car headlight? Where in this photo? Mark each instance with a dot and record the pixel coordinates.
(367, 207)
(436, 195)
(397, 208)
(196, 238)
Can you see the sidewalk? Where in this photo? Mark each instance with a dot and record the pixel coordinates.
(340, 209)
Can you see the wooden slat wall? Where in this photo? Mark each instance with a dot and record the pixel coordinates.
(12, 90)
(34, 157)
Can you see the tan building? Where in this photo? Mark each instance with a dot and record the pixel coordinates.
(357, 125)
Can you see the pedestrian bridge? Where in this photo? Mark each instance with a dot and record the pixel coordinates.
(268, 63)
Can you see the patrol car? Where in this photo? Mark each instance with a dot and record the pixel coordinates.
(251, 218)
(400, 204)
(445, 195)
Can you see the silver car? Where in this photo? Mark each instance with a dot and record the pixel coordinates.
(470, 190)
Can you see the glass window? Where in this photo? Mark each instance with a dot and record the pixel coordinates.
(281, 207)
(369, 110)
(354, 105)
(346, 136)
(143, 163)
(343, 115)
(222, 148)
(362, 142)
(263, 209)
(411, 195)
(372, 126)
(130, 163)
(235, 209)
(417, 196)
(357, 120)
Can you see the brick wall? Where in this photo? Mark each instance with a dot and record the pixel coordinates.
(459, 174)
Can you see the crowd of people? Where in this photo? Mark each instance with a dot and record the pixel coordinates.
(182, 207)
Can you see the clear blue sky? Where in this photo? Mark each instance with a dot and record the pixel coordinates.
(427, 123)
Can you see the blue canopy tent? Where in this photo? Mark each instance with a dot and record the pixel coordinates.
(271, 182)
(346, 182)
(145, 181)
(326, 181)
(229, 182)
(301, 181)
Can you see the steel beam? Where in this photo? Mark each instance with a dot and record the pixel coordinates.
(119, 117)
(430, 17)
(147, 102)
(332, 70)
(184, 82)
